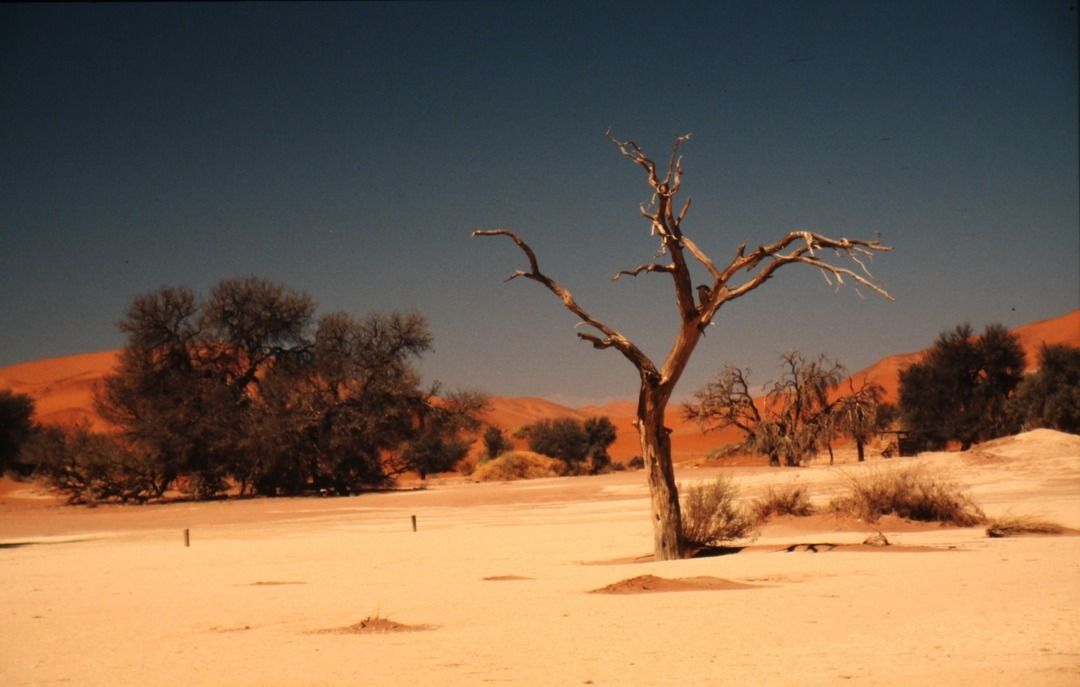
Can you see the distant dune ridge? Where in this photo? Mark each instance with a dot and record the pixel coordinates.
(63, 387)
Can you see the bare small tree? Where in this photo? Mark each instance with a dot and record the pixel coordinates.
(862, 414)
(797, 417)
(696, 307)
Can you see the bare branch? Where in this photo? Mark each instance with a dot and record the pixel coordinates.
(840, 272)
(774, 259)
(682, 213)
(611, 339)
(632, 151)
(675, 166)
(651, 267)
(701, 257)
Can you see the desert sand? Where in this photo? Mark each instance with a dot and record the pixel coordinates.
(499, 585)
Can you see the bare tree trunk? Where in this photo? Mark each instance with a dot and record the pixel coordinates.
(861, 448)
(656, 450)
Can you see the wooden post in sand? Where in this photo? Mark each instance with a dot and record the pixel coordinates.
(187, 537)
(414, 523)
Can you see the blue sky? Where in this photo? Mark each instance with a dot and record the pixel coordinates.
(348, 150)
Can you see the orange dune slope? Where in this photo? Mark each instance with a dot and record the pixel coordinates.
(62, 388)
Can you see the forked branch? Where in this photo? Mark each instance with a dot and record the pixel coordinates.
(763, 262)
(610, 339)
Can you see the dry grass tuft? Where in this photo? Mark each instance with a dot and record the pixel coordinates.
(910, 493)
(1014, 525)
(789, 499)
(711, 515)
(515, 465)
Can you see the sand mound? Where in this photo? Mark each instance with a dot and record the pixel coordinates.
(647, 584)
(1041, 443)
(375, 625)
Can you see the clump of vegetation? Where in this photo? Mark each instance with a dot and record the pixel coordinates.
(789, 499)
(910, 493)
(711, 514)
(1014, 525)
(246, 390)
(961, 388)
(582, 446)
(801, 412)
(724, 451)
(89, 468)
(495, 443)
(1050, 398)
(635, 463)
(516, 465)
(375, 624)
(16, 426)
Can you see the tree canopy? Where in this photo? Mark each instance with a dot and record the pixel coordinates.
(961, 388)
(245, 389)
(16, 425)
(1050, 397)
(573, 442)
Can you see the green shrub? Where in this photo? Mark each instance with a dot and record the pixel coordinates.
(573, 442)
(910, 493)
(711, 515)
(1051, 396)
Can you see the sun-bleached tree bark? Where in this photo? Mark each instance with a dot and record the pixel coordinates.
(696, 307)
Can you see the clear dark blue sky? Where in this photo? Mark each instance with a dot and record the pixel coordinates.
(348, 150)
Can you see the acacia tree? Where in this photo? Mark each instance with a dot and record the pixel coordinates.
(696, 310)
(495, 442)
(444, 430)
(961, 387)
(862, 414)
(795, 419)
(1051, 397)
(186, 389)
(16, 426)
(573, 442)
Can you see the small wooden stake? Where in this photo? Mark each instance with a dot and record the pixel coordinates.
(414, 523)
(187, 537)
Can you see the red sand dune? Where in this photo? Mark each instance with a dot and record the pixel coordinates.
(63, 391)
(62, 388)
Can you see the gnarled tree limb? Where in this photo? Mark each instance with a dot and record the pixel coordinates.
(611, 338)
(651, 267)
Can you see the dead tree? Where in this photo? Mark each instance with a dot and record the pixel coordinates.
(695, 313)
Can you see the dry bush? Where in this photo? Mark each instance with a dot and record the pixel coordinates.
(375, 624)
(910, 493)
(725, 451)
(1013, 525)
(789, 499)
(711, 515)
(515, 465)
